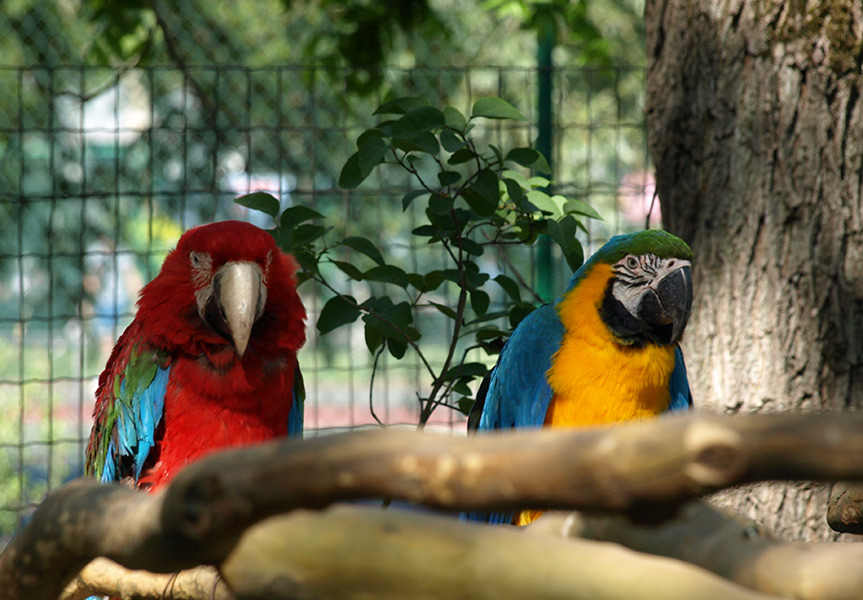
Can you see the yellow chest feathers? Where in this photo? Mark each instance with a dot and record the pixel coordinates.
(595, 380)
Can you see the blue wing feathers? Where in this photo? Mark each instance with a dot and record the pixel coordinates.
(295, 417)
(681, 396)
(518, 393)
(149, 414)
(136, 425)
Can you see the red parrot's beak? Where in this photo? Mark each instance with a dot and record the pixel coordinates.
(241, 295)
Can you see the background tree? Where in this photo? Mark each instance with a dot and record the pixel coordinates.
(756, 128)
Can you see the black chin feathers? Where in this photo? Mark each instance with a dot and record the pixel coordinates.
(625, 327)
(631, 331)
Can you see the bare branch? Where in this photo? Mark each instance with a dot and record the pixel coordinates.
(640, 468)
(103, 577)
(845, 507)
(351, 553)
(731, 546)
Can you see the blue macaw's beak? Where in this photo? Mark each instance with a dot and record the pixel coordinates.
(666, 306)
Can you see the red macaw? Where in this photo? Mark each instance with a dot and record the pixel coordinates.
(210, 360)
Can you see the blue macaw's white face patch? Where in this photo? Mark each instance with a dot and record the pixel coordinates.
(635, 275)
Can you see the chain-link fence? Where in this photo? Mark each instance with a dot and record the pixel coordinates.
(101, 169)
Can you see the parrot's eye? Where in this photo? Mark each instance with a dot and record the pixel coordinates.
(195, 259)
(631, 262)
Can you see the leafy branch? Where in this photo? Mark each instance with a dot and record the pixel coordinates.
(475, 197)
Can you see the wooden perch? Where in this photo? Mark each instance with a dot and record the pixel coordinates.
(731, 546)
(103, 577)
(354, 553)
(845, 507)
(199, 517)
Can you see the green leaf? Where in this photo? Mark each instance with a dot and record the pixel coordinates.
(408, 198)
(374, 336)
(337, 311)
(509, 286)
(386, 316)
(433, 279)
(448, 177)
(387, 274)
(444, 309)
(424, 141)
(295, 215)
(575, 256)
(417, 120)
(397, 347)
(425, 231)
(496, 108)
(471, 247)
(472, 274)
(563, 233)
(465, 404)
(461, 386)
(478, 203)
(307, 233)
(489, 333)
(479, 301)
(471, 369)
(483, 195)
(351, 175)
(440, 204)
(368, 134)
(364, 246)
(530, 158)
(574, 206)
(454, 118)
(371, 153)
(538, 182)
(262, 201)
(549, 204)
(513, 190)
(349, 270)
(461, 156)
(450, 141)
(518, 312)
(308, 260)
(517, 177)
(400, 106)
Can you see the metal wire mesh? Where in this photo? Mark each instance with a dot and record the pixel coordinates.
(101, 169)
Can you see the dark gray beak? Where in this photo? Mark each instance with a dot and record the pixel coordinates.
(666, 307)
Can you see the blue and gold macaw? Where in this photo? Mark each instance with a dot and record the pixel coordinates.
(605, 351)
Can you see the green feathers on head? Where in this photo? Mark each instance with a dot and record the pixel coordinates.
(653, 241)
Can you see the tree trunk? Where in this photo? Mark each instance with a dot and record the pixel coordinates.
(756, 129)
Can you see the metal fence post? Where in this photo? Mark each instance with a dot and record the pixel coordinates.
(545, 46)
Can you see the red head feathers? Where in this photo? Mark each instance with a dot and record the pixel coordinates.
(224, 287)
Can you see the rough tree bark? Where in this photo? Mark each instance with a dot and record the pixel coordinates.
(756, 128)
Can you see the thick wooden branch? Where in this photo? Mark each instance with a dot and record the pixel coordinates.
(354, 553)
(103, 577)
(198, 519)
(728, 545)
(845, 507)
